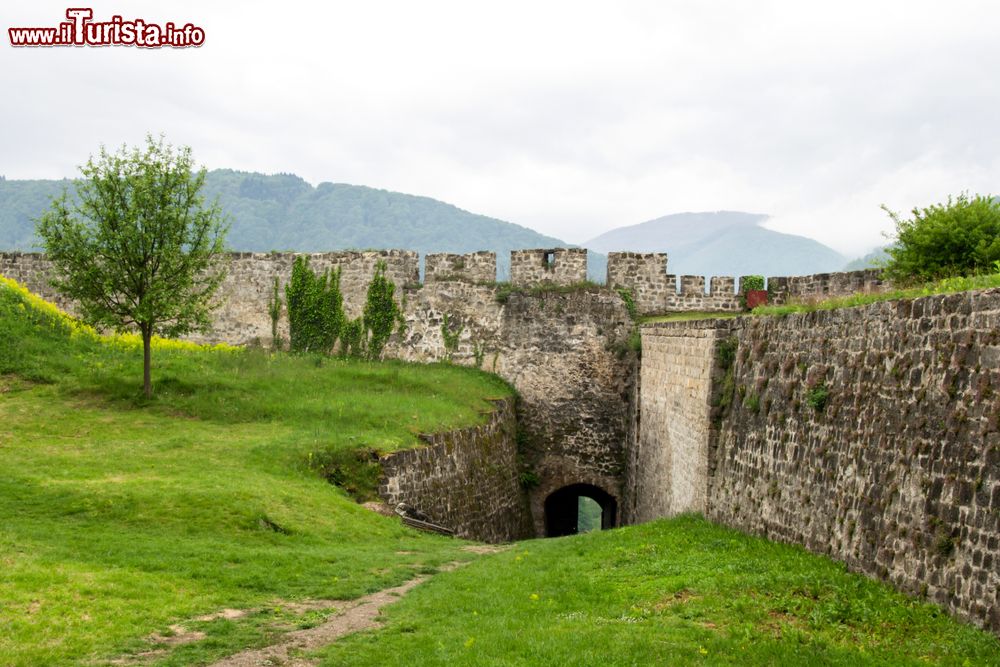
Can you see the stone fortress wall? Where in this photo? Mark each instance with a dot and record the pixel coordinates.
(868, 434)
(655, 291)
(465, 479)
(898, 475)
(562, 350)
(243, 317)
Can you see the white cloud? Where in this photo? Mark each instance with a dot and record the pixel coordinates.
(569, 117)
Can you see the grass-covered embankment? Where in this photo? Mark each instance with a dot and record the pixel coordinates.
(670, 592)
(122, 516)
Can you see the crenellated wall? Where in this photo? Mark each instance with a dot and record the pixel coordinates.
(657, 292)
(473, 267)
(242, 317)
(869, 434)
(826, 285)
(557, 266)
(564, 350)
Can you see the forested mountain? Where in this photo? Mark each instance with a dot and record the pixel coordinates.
(284, 212)
(722, 243)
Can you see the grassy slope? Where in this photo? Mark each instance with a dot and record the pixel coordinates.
(671, 592)
(122, 516)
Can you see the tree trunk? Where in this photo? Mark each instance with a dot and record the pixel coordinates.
(147, 382)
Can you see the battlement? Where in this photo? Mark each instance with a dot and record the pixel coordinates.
(473, 267)
(557, 266)
(826, 285)
(655, 291)
(249, 285)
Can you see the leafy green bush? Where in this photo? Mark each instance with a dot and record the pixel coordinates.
(274, 312)
(629, 299)
(315, 308)
(450, 337)
(751, 284)
(352, 339)
(817, 397)
(958, 238)
(381, 314)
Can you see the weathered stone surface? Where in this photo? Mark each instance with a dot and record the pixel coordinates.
(466, 479)
(558, 266)
(869, 434)
(826, 285)
(564, 353)
(242, 317)
(473, 267)
(656, 292)
(667, 470)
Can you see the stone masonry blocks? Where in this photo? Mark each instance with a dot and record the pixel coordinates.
(473, 267)
(557, 266)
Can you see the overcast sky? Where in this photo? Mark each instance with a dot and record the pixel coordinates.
(568, 117)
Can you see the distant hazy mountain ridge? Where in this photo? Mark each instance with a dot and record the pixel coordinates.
(722, 243)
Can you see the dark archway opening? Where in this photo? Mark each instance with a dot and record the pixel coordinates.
(578, 508)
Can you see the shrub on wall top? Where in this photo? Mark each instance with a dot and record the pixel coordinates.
(960, 237)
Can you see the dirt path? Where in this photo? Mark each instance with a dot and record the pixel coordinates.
(354, 616)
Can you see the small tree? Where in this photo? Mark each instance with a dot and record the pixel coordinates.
(138, 247)
(959, 237)
(381, 314)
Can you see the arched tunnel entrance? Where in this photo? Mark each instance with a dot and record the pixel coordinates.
(578, 508)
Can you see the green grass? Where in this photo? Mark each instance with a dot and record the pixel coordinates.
(122, 516)
(946, 286)
(671, 592)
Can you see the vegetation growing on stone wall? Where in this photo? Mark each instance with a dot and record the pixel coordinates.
(274, 312)
(450, 337)
(479, 353)
(725, 358)
(629, 298)
(751, 284)
(381, 315)
(315, 308)
(944, 286)
(506, 290)
(352, 339)
(960, 237)
(817, 397)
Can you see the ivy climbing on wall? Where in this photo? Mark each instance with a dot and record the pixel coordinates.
(315, 308)
(450, 337)
(274, 311)
(382, 315)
